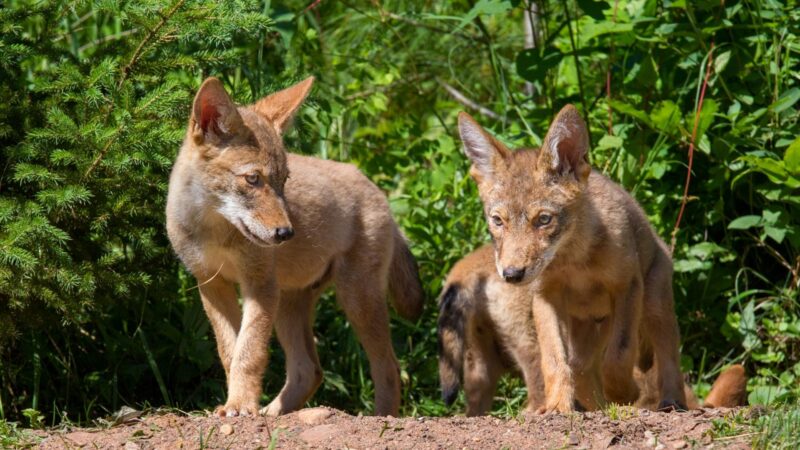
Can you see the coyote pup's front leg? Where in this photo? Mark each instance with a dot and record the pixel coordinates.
(259, 305)
(559, 391)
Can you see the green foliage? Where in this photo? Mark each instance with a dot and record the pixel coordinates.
(95, 311)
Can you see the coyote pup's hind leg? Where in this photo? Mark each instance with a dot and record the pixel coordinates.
(361, 288)
(661, 329)
(483, 367)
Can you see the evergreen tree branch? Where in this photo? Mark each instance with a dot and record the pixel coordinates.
(150, 36)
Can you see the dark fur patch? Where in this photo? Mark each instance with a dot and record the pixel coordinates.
(449, 394)
(624, 342)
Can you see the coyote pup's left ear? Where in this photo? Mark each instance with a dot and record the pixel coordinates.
(566, 146)
(279, 108)
(486, 153)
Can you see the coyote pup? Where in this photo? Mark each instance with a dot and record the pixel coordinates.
(600, 277)
(283, 227)
(486, 331)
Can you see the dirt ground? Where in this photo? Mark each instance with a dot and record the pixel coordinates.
(331, 429)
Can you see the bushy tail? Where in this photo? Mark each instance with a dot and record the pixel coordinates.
(729, 390)
(404, 284)
(452, 318)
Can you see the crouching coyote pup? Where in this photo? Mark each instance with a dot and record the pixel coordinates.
(599, 276)
(486, 330)
(283, 227)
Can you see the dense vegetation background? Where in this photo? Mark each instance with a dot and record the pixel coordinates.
(96, 313)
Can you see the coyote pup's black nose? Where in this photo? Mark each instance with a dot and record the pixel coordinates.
(284, 234)
(513, 274)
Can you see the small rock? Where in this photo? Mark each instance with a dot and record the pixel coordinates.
(226, 429)
(314, 416)
(573, 439)
(680, 444)
(651, 440)
(318, 433)
(132, 446)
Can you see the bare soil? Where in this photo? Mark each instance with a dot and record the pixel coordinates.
(332, 429)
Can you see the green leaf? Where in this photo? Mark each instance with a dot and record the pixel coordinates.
(721, 61)
(533, 67)
(786, 100)
(710, 108)
(592, 30)
(632, 111)
(777, 234)
(485, 7)
(766, 395)
(744, 222)
(593, 8)
(792, 157)
(609, 141)
(666, 116)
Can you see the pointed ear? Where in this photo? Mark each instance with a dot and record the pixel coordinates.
(485, 152)
(566, 146)
(214, 114)
(279, 108)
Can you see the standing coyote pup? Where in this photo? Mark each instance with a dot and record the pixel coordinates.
(601, 279)
(283, 227)
(485, 330)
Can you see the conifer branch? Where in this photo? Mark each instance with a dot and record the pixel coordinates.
(140, 49)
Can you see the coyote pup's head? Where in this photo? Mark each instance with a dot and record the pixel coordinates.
(239, 158)
(531, 198)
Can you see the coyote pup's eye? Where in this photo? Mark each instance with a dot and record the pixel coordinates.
(497, 220)
(253, 179)
(544, 219)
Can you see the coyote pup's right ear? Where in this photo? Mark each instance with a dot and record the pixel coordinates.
(214, 114)
(486, 153)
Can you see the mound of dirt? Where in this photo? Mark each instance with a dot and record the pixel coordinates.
(333, 429)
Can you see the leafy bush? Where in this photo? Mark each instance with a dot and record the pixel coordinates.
(95, 311)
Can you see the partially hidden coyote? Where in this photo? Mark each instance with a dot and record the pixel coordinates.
(486, 330)
(600, 278)
(243, 213)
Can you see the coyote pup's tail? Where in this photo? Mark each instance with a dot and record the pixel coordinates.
(729, 390)
(404, 283)
(452, 318)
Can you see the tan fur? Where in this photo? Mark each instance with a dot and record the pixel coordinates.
(485, 330)
(600, 277)
(303, 225)
(479, 330)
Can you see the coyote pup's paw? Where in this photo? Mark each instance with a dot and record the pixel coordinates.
(274, 409)
(668, 405)
(561, 404)
(233, 409)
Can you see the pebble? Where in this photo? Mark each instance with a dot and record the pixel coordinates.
(226, 429)
(132, 446)
(314, 416)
